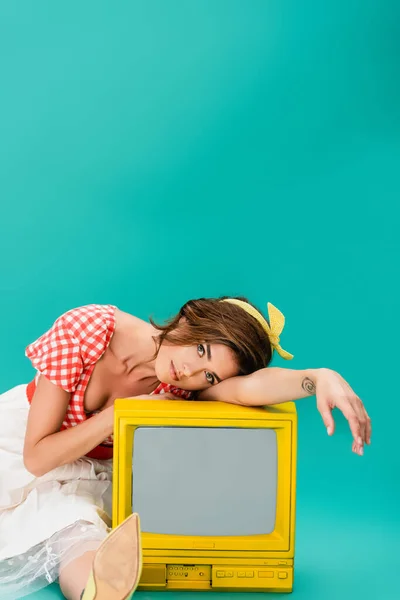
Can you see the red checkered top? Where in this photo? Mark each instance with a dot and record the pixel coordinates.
(66, 355)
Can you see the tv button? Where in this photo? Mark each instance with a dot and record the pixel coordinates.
(220, 573)
(249, 573)
(282, 575)
(241, 573)
(266, 574)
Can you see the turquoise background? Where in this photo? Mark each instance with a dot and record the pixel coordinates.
(155, 151)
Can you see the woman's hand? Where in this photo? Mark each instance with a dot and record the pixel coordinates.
(332, 391)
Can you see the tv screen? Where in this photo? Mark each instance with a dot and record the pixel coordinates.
(205, 481)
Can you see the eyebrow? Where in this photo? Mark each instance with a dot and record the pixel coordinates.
(209, 358)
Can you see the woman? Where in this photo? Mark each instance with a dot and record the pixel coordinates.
(56, 432)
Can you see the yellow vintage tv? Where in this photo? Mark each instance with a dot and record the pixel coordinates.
(215, 487)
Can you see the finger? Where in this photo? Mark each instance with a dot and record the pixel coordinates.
(368, 429)
(355, 426)
(326, 414)
(362, 418)
(365, 421)
(357, 449)
(355, 429)
(354, 422)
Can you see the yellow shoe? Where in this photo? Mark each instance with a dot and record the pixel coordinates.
(117, 564)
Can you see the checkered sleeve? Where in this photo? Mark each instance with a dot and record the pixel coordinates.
(76, 340)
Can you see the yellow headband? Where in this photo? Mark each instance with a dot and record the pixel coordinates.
(273, 331)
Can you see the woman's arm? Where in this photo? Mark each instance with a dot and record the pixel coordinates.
(46, 447)
(275, 385)
(264, 387)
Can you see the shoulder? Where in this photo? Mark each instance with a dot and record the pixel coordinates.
(124, 320)
(85, 325)
(91, 327)
(77, 339)
(88, 314)
(129, 326)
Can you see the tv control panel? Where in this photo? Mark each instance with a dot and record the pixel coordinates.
(275, 577)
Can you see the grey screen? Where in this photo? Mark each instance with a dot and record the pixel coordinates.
(205, 481)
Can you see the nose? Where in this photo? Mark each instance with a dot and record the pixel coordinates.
(185, 371)
(188, 370)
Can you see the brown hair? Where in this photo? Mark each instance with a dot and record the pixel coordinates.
(208, 320)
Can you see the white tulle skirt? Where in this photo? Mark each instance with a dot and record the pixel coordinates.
(45, 521)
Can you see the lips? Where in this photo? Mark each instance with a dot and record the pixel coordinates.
(173, 372)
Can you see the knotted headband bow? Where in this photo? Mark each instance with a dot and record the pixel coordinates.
(274, 330)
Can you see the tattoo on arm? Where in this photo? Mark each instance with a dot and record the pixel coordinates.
(308, 386)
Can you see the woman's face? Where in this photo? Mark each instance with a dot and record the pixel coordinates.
(196, 367)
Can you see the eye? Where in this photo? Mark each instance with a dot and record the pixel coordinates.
(201, 350)
(210, 377)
